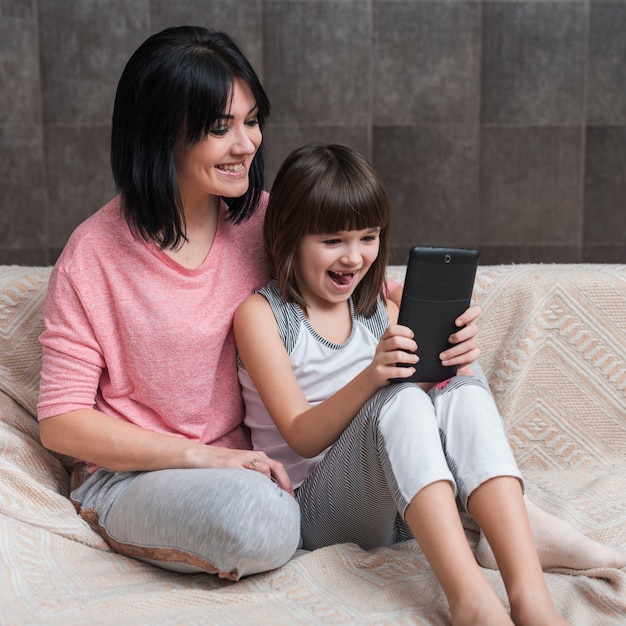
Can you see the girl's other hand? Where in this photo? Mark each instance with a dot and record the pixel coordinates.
(395, 346)
(464, 350)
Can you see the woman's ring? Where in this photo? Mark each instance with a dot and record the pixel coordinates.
(252, 465)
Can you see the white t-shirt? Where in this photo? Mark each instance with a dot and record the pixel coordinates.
(320, 367)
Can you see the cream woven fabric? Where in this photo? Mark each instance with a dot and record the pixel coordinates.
(553, 341)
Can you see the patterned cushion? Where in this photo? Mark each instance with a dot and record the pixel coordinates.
(22, 294)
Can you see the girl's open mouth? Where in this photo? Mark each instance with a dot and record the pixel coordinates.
(342, 278)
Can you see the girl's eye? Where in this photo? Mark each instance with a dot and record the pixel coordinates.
(252, 122)
(331, 242)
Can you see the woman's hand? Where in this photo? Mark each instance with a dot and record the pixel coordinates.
(120, 446)
(253, 460)
(395, 346)
(464, 350)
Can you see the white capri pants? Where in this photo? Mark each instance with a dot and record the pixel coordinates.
(402, 440)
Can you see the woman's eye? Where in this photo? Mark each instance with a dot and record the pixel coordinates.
(252, 122)
(219, 131)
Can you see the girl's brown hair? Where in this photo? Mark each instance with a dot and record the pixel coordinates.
(326, 188)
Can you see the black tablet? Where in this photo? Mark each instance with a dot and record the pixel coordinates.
(437, 289)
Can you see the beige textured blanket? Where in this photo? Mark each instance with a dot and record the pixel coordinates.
(553, 344)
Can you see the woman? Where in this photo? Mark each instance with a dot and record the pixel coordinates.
(139, 376)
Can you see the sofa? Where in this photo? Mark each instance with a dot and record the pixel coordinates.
(553, 340)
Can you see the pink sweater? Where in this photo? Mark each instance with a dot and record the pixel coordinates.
(133, 334)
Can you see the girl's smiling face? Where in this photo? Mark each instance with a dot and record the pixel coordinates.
(329, 266)
(220, 164)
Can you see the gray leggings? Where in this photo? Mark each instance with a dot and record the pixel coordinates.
(402, 440)
(230, 522)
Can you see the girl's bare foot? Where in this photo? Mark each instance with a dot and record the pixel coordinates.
(479, 604)
(483, 613)
(559, 544)
(534, 607)
(537, 617)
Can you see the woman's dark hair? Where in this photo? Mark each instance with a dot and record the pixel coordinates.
(174, 88)
(326, 188)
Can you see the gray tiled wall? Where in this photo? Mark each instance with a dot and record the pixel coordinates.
(496, 124)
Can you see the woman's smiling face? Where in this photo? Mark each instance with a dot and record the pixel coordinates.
(219, 165)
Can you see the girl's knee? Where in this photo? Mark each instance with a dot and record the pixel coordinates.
(411, 399)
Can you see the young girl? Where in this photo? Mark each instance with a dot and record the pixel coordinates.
(372, 462)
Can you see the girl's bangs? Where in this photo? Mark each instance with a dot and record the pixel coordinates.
(353, 209)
